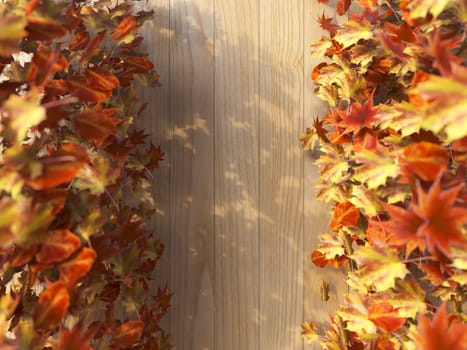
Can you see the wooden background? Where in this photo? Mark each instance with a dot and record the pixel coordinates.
(236, 205)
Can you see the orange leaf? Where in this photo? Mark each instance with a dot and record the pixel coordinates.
(342, 6)
(139, 63)
(79, 42)
(101, 79)
(92, 47)
(44, 29)
(74, 339)
(59, 167)
(128, 333)
(424, 159)
(79, 86)
(441, 333)
(344, 214)
(59, 246)
(124, 28)
(52, 306)
(385, 317)
(77, 267)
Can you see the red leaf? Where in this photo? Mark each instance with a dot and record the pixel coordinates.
(385, 317)
(124, 28)
(139, 63)
(77, 267)
(101, 79)
(59, 246)
(79, 42)
(92, 47)
(441, 219)
(326, 23)
(344, 214)
(358, 116)
(441, 333)
(128, 334)
(74, 339)
(95, 126)
(59, 167)
(79, 86)
(52, 306)
(424, 159)
(342, 6)
(22, 256)
(43, 29)
(318, 259)
(56, 197)
(441, 51)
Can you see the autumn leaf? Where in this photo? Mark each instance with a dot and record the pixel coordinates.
(379, 267)
(124, 32)
(43, 28)
(52, 306)
(385, 317)
(97, 176)
(128, 333)
(80, 87)
(442, 332)
(352, 32)
(24, 112)
(421, 8)
(101, 79)
(80, 41)
(344, 214)
(326, 23)
(376, 166)
(423, 159)
(140, 64)
(440, 218)
(94, 126)
(77, 267)
(358, 116)
(355, 314)
(342, 6)
(73, 339)
(59, 167)
(12, 32)
(309, 332)
(60, 244)
(92, 47)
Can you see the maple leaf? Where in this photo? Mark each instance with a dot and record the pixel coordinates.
(344, 214)
(446, 106)
(352, 32)
(342, 6)
(355, 314)
(92, 47)
(332, 164)
(326, 23)
(140, 64)
(77, 267)
(423, 159)
(379, 267)
(358, 116)
(385, 317)
(128, 333)
(440, 218)
(80, 41)
(441, 51)
(59, 167)
(309, 332)
(442, 333)
(73, 339)
(97, 176)
(376, 166)
(80, 87)
(60, 244)
(421, 8)
(52, 306)
(12, 32)
(125, 30)
(95, 126)
(403, 228)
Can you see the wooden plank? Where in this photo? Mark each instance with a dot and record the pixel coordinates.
(191, 178)
(316, 214)
(236, 175)
(281, 167)
(156, 122)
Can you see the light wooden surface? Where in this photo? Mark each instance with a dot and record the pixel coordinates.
(235, 198)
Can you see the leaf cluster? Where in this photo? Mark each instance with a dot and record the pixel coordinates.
(393, 164)
(77, 257)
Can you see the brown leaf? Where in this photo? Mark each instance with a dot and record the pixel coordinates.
(52, 306)
(128, 333)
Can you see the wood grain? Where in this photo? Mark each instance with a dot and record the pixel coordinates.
(316, 214)
(281, 167)
(191, 251)
(236, 175)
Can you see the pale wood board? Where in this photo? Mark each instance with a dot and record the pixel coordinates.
(236, 175)
(281, 167)
(191, 251)
(236, 205)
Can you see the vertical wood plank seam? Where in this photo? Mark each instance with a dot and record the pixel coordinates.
(169, 151)
(259, 176)
(214, 154)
